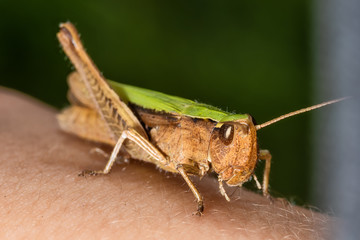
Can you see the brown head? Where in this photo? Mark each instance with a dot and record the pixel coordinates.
(233, 150)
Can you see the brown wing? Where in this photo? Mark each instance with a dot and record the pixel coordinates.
(78, 93)
(85, 123)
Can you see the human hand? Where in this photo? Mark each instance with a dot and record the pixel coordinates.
(43, 197)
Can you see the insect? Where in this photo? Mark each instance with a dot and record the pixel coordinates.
(176, 134)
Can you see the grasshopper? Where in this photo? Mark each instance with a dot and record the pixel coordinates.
(175, 134)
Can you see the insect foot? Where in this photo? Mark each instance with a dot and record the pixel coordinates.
(200, 209)
(84, 173)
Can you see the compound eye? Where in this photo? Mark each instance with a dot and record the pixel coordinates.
(226, 133)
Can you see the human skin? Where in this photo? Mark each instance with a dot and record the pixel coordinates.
(41, 195)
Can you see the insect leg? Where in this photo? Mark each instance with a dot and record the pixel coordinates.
(112, 159)
(222, 190)
(257, 182)
(194, 190)
(134, 136)
(265, 155)
(99, 151)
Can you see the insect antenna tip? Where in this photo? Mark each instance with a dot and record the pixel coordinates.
(297, 112)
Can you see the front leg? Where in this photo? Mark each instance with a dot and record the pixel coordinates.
(265, 155)
(194, 190)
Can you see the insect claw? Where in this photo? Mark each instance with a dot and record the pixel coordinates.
(89, 172)
(270, 198)
(197, 213)
(200, 209)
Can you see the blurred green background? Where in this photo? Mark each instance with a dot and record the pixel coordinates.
(243, 56)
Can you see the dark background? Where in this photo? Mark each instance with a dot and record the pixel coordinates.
(243, 56)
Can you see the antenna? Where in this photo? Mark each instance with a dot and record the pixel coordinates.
(265, 124)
